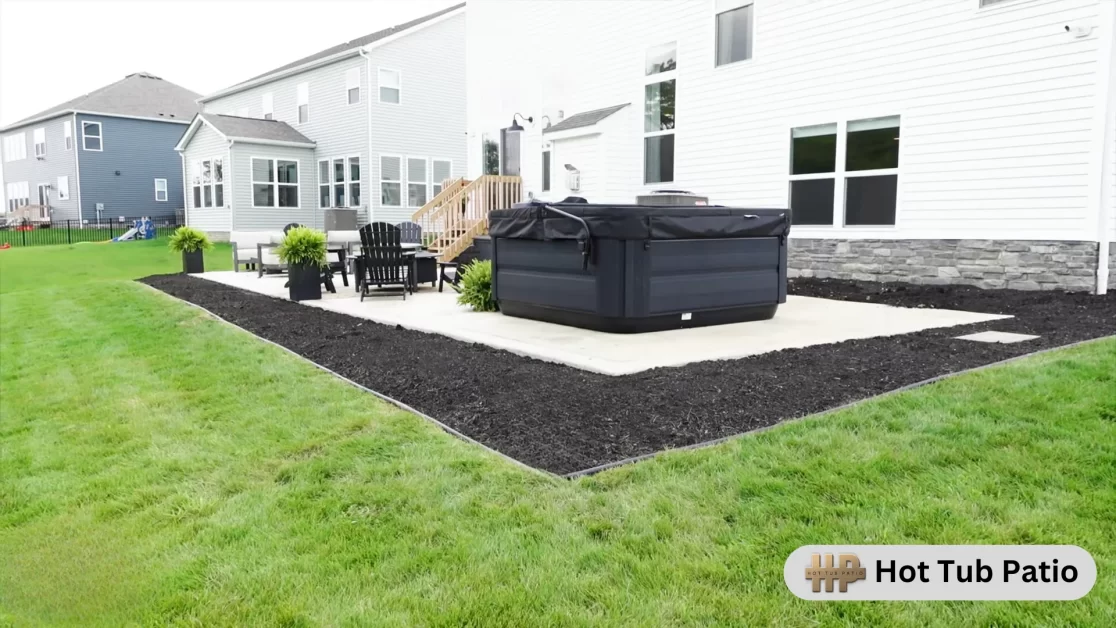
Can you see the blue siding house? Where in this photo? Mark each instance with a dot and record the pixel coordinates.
(102, 156)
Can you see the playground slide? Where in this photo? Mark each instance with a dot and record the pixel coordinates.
(127, 235)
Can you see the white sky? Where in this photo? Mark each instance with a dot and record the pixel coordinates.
(54, 50)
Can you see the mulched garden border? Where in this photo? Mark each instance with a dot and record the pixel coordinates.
(564, 420)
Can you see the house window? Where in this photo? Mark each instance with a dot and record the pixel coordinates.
(734, 30)
(207, 184)
(390, 86)
(661, 59)
(303, 95)
(391, 178)
(274, 183)
(442, 170)
(39, 140)
(323, 184)
(268, 104)
(15, 147)
(546, 171)
(161, 190)
(339, 182)
(91, 136)
(354, 181)
(659, 114)
(68, 133)
(417, 188)
(490, 154)
(64, 188)
(19, 195)
(352, 85)
(867, 178)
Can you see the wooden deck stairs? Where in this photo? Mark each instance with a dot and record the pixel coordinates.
(459, 213)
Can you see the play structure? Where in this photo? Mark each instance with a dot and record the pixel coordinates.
(142, 229)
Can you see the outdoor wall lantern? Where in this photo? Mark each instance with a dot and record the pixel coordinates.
(515, 125)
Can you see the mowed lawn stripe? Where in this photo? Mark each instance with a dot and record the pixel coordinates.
(157, 466)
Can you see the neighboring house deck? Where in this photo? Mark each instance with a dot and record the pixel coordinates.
(103, 155)
(954, 141)
(381, 120)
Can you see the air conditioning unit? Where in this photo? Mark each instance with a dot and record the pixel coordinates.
(671, 198)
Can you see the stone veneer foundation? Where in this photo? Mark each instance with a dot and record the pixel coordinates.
(1112, 265)
(1015, 264)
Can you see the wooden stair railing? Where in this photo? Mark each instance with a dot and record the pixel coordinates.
(459, 213)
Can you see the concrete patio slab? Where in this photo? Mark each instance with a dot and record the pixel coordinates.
(801, 322)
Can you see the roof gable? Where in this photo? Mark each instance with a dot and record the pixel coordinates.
(238, 129)
(584, 119)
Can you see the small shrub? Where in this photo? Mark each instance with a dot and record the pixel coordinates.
(475, 287)
(303, 246)
(188, 240)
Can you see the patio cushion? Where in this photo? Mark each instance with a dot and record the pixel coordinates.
(244, 254)
(249, 239)
(269, 257)
(343, 237)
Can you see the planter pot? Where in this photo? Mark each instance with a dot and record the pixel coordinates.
(193, 262)
(305, 282)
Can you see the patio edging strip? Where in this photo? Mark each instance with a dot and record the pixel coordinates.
(381, 396)
(905, 388)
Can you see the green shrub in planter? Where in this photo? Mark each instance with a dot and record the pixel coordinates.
(475, 286)
(191, 243)
(304, 251)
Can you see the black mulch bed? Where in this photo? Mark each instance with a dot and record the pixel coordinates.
(563, 420)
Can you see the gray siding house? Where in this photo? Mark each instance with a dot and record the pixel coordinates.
(380, 123)
(101, 156)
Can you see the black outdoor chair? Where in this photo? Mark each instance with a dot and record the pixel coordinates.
(381, 262)
(410, 232)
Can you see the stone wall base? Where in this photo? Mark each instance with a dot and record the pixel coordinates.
(1014, 264)
(1112, 265)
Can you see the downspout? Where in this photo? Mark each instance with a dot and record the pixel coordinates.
(368, 121)
(230, 191)
(1106, 107)
(77, 165)
(185, 187)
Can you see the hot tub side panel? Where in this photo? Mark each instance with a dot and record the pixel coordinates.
(696, 275)
(546, 273)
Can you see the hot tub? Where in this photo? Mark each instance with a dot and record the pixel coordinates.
(639, 268)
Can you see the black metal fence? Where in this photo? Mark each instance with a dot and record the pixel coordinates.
(70, 231)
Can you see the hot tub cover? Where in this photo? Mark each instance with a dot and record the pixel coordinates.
(532, 221)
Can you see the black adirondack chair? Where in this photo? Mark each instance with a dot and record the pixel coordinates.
(410, 232)
(382, 262)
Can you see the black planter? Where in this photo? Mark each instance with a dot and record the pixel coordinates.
(193, 262)
(304, 282)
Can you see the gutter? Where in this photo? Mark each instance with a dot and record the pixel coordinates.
(352, 52)
(1105, 121)
(59, 114)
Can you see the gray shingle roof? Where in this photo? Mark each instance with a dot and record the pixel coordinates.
(254, 128)
(355, 43)
(587, 118)
(140, 94)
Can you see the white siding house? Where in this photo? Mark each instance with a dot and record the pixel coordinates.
(397, 95)
(954, 141)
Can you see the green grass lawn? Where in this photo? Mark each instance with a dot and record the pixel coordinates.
(158, 467)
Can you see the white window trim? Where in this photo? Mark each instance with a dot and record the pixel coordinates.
(60, 185)
(36, 144)
(407, 174)
(402, 181)
(713, 36)
(651, 79)
(349, 178)
(212, 185)
(840, 176)
(267, 106)
(432, 181)
(10, 142)
(349, 86)
(275, 171)
(100, 136)
(166, 191)
(348, 181)
(399, 74)
(68, 134)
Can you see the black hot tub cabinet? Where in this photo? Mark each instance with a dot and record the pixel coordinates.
(638, 268)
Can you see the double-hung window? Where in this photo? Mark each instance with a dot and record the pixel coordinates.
(64, 188)
(160, 190)
(274, 183)
(352, 85)
(15, 147)
(339, 182)
(303, 95)
(19, 194)
(391, 181)
(39, 136)
(735, 26)
(207, 184)
(845, 173)
(546, 171)
(68, 133)
(442, 170)
(661, 71)
(91, 136)
(391, 86)
(267, 103)
(417, 188)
